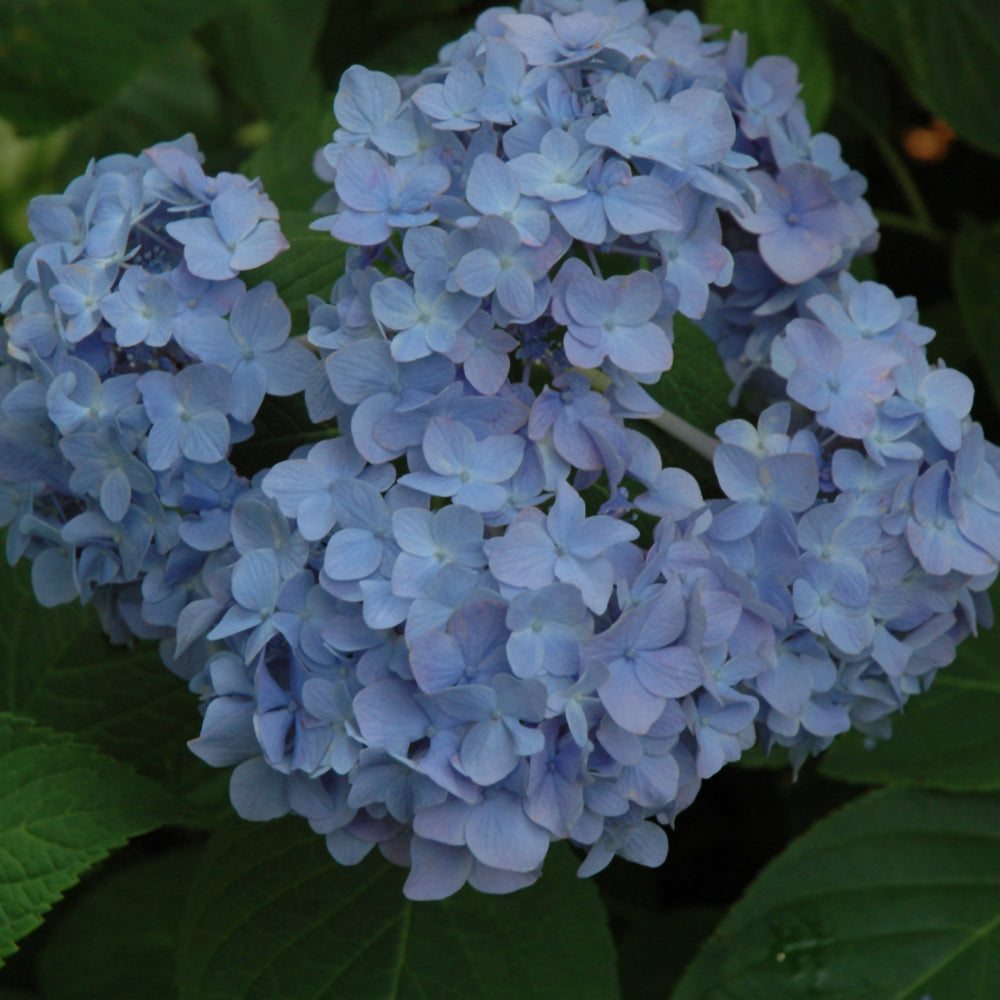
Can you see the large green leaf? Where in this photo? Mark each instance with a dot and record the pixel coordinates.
(894, 897)
(976, 277)
(793, 28)
(273, 916)
(164, 100)
(266, 49)
(697, 387)
(947, 738)
(61, 58)
(309, 267)
(57, 667)
(284, 161)
(117, 937)
(63, 808)
(948, 51)
(656, 945)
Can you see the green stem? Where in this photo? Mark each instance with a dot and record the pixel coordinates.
(677, 427)
(906, 224)
(907, 185)
(920, 222)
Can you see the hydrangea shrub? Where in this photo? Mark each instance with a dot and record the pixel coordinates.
(482, 614)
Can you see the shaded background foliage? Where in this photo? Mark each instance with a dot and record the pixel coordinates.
(826, 887)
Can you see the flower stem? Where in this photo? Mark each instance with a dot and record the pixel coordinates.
(677, 427)
(906, 224)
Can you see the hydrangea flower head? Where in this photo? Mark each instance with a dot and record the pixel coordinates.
(485, 617)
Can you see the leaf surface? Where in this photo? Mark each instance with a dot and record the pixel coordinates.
(63, 808)
(273, 916)
(948, 51)
(61, 58)
(894, 897)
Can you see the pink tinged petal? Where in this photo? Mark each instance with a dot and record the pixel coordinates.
(715, 133)
(487, 371)
(639, 296)
(421, 187)
(628, 701)
(365, 181)
(379, 99)
(499, 834)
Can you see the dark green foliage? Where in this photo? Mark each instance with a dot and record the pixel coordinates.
(274, 918)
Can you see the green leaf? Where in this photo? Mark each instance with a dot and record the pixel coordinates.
(63, 808)
(266, 49)
(975, 276)
(118, 936)
(793, 28)
(948, 51)
(310, 266)
(61, 58)
(414, 48)
(697, 387)
(947, 737)
(57, 666)
(284, 161)
(273, 916)
(893, 897)
(696, 390)
(657, 945)
(281, 426)
(165, 100)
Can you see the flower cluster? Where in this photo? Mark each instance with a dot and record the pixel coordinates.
(513, 625)
(484, 617)
(135, 358)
